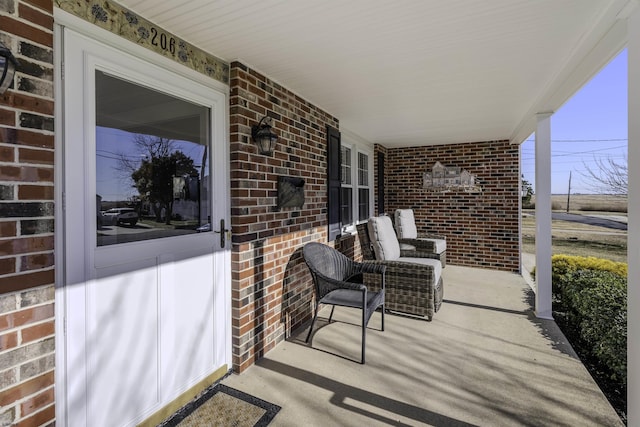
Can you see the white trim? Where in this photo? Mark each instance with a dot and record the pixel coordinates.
(60, 300)
(219, 124)
(543, 216)
(633, 232)
(358, 145)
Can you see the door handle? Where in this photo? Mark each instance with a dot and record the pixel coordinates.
(222, 232)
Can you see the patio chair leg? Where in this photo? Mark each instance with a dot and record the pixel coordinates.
(364, 322)
(311, 327)
(331, 315)
(364, 337)
(382, 312)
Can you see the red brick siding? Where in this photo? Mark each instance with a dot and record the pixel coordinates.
(271, 288)
(27, 323)
(481, 228)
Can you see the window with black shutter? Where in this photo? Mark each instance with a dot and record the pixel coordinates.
(333, 183)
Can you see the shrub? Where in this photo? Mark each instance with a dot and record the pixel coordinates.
(591, 295)
(596, 305)
(564, 265)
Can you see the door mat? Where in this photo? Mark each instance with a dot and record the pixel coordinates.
(220, 405)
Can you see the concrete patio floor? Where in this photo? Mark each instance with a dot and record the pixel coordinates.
(485, 360)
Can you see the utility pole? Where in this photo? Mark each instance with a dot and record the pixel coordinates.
(569, 192)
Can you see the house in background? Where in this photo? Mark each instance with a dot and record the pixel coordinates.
(116, 326)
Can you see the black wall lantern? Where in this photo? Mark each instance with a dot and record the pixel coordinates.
(263, 137)
(8, 66)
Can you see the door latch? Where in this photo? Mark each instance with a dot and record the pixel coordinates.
(223, 233)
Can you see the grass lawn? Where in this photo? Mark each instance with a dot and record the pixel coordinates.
(571, 238)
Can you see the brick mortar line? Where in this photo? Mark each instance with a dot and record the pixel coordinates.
(6, 144)
(43, 132)
(20, 417)
(23, 273)
(4, 239)
(30, 253)
(31, 94)
(41, 304)
(17, 403)
(21, 381)
(16, 17)
(27, 218)
(25, 183)
(40, 165)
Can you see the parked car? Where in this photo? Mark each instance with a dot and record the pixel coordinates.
(203, 228)
(121, 216)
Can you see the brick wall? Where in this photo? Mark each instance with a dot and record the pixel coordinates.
(26, 218)
(271, 288)
(481, 228)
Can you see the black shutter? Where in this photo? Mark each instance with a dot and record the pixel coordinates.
(333, 182)
(380, 183)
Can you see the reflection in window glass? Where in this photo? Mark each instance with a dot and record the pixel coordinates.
(345, 155)
(152, 163)
(346, 210)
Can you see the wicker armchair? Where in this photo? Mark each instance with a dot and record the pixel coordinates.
(414, 281)
(338, 280)
(434, 244)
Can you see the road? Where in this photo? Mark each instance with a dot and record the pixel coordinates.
(590, 220)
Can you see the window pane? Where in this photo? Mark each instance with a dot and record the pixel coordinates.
(152, 163)
(346, 165)
(346, 207)
(363, 169)
(363, 204)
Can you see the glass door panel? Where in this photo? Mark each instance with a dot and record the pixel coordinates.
(152, 163)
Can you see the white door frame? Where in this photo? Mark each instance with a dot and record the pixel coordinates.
(220, 161)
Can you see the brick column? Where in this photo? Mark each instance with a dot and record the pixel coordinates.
(27, 351)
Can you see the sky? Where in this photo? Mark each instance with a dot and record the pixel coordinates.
(591, 125)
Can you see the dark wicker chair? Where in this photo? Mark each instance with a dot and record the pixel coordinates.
(338, 280)
(411, 287)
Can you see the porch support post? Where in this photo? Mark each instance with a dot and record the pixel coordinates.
(543, 216)
(633, 231)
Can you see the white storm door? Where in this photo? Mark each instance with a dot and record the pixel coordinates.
(147, 275)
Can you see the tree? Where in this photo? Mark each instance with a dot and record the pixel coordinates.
(527, 191)
(608, 176)
(153, 176)
(154, 179)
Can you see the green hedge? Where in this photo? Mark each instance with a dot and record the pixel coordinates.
(592, 294)
(596, 303)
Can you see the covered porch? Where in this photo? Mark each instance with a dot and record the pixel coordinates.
(486, 359)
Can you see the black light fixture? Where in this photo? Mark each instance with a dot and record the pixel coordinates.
(263, 137)
(8, 66)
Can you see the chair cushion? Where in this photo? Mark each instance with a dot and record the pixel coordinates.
(383, 238)
(406, 224)
(436, 264)
(407, 247)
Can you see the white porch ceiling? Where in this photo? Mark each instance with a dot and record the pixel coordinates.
(412, 72)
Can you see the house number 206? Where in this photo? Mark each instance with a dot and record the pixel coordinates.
(161, 39)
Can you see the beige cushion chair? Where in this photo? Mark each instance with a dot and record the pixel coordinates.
(405, 225)
(414, 282)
